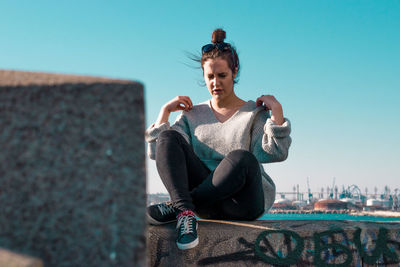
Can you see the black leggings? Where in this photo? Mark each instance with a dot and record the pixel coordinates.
(232, 191)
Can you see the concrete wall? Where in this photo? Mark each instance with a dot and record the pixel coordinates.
(72, 169)
(280, 243)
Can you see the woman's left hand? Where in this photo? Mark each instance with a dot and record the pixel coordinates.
(269, 102)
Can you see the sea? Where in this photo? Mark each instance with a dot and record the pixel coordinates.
(325, 217)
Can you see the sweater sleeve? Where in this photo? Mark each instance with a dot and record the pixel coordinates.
(270, 142)
(151, 134)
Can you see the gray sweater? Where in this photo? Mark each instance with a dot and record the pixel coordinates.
(250, 128)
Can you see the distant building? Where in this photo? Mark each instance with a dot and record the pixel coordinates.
(157, 198)
(330, 204)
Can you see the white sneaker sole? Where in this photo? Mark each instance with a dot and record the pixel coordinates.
(190, 245)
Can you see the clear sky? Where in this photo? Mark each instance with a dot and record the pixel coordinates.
(333, 65)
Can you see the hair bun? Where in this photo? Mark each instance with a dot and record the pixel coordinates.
(218, 36)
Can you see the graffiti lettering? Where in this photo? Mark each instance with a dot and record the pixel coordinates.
(328, 248)
(337, 249)
(333, 250)
(381, 247)
(292, 256)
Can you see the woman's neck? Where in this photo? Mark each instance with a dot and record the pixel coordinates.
(225, 110)
(230, 103)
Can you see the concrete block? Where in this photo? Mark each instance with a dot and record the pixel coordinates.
(72, 169)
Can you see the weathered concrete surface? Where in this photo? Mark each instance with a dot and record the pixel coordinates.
(11, 259)
(72, 169)
(288, 243)
(24, 78)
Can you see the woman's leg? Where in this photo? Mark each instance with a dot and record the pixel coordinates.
(179, 168)
(235, 188)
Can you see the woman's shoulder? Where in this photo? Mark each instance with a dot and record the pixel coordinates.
(201, 109)
(202, 105)
(251, 106)
(257, 114)
(198, 108)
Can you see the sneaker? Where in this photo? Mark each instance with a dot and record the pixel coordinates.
(187, 230)
(161, 213)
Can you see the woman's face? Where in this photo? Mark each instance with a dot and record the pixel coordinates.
(219, 78)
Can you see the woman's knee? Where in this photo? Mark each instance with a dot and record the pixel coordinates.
(171, 137)
(242, 157)
(169, 134)
(168, 140)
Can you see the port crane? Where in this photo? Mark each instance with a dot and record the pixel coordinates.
(355, 192)
(332, 188)
(309, 191)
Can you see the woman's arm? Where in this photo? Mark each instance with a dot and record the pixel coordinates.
(270, 103)
(270, 136)
(178, 103)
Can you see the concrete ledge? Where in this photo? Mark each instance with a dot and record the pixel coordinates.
(11, 259)
(280, 243)
(24, 78)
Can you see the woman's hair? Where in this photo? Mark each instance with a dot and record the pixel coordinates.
(229, 54)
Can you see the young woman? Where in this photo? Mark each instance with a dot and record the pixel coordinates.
(210, 159)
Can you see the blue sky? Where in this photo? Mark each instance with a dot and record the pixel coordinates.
(333, 65)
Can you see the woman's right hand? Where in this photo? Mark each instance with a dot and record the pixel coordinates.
(178, 103)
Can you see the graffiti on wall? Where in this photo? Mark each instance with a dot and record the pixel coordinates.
(334, 247)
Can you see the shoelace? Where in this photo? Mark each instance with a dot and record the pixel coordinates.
(165, 208)
(186, 224)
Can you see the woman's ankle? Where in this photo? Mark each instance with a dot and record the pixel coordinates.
(184, 213)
